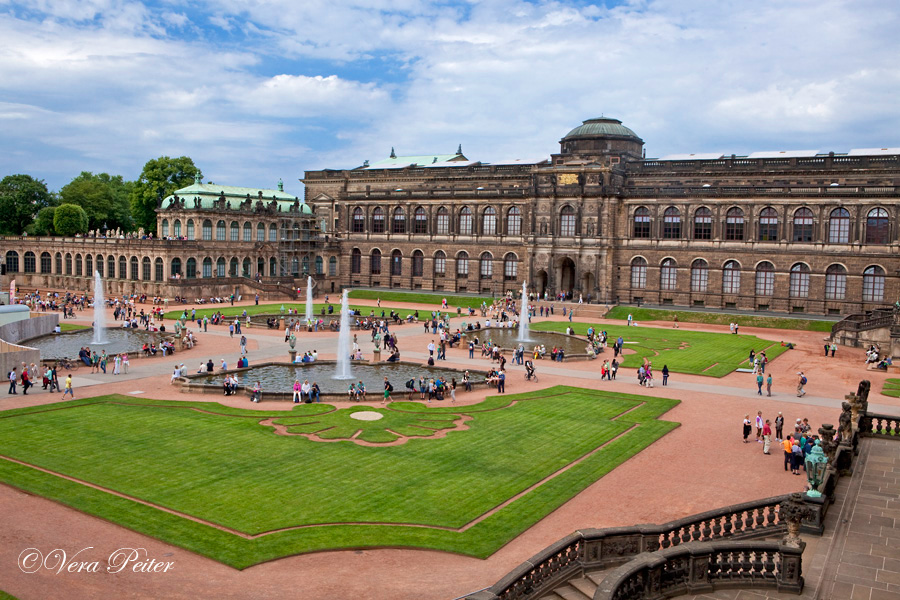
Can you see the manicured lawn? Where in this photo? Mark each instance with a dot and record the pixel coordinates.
(694, 352)
(687, 316)
(891, 388)
(417, 298)
(223, 467)
(63, 327)
(228, 310)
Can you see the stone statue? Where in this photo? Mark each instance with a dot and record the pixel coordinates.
(846, 422)
(377, 340)
(827, 441)
(140, 232)
(292, 341)
(793, 511)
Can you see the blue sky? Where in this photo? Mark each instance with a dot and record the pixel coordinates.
(254, 90)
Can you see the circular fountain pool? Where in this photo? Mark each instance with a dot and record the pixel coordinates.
(67, 345)
(509, 338)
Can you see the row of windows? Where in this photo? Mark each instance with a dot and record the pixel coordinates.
(485, 264)
(141, 269)
(233, 233)
(835, 279)
(877, 225)
(465, 221)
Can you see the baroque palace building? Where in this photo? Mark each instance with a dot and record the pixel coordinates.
(791, 231)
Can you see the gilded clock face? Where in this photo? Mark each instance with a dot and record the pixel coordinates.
(567, 178)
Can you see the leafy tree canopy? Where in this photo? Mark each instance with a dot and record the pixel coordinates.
(70, 219)
(21, 197)
(105, 198)
(160, 178)
(43, 222)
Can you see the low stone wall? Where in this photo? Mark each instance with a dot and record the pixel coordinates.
(13, 355)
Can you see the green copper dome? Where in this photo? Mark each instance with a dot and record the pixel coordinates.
(601, 126)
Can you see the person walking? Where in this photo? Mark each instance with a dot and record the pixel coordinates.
(796, 457)
(665, 374)
(779, 427)
(69, 389)
(243, 345)
(759, 383)
(388, 388)
(767, 437)
(769, 385)
(26, 381)
(747, 427)
(827, 348)
(787, 445)
(13, 378)
(801, 381)
(759, 427)
(501, 382)
(833, 348)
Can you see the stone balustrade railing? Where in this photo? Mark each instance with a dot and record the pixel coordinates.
(698, 568)
(875, 425)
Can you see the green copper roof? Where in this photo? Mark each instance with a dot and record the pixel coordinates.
(208, 193)
(599, 127)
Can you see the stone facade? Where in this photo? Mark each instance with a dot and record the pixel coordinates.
(804, 232)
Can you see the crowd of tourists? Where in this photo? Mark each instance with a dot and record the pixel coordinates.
(795, 445)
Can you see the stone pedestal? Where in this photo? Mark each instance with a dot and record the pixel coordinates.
(281, 323)
(292, 354)
(179, 343)
(376, 355)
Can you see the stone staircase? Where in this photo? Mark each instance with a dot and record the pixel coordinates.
(582, 588)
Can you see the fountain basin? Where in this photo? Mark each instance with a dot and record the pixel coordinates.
(66, 345)
(277, 378)
(574, 347)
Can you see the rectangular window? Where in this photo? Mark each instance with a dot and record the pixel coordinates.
(703, 228)
(443, 224)
(378, 223)
(765, 283)
(734, 228)
(835, 286)
(642, 227)
(440, 266)
(699, 279)
(799, 285)
(511, 270)
(639, 277)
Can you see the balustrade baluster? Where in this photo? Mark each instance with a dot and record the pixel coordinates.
(759, 517)
(664, 540)
(741, 522)
(695, 532)
(769, 565)
(685, 535)
(878, 425)
(727, 525)
(770, 515)
(717, 527)
(757, 564)
(707, 530)
(746, 566)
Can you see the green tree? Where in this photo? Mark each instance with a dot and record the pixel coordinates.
(160, 178)
(43, 222)
(105, 199)
(70, 219)
(21, 197)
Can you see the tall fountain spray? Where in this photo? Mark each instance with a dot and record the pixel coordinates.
(343, 351)
(99, 310)
(309, 306)
(523, 315)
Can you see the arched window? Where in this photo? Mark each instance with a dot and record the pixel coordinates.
(123, 267)
(191, 269)
(165, 228)
(356, 261)
(260, 232)
(273, 232)
(359, 221)
(418, 263)
(320, 265)
(440, 264)
(443, 221)
(135, 266)
(803, 225)
(514, 221)
(462, 264)
(421, 221)
(672, 223)
(30, 262)
(68, 263)
(145, 268)
(260, 266)
(273, 267)
(489, 221)
(207, 267)
(702, 224)
(47, 265)
(248, 232)
(699, 275)
(638, 273)
(510, 267)
(375, 262)
(396, 263)
(177, 228)
(465, 221)
(835, 282)
(295, 267)
(111, 267)
(486, 269)
(800, 281)
(158, 268)
(304, 265)
(235, 231)
(378, 220)
(190, 229)
(668, 274)
(768, 225)
(176, 266)
(399, 220)
(220, 231)
(245, 267)
(839, 226)
(873, 284)
(220, 267)
(641, 224)
(731, 277)
(78, 265)
(207, 230)
(765, 279)
(100, 264)
(59, 263)
(734, 224)
(877, 226)
(332, 266)
(567, 221)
